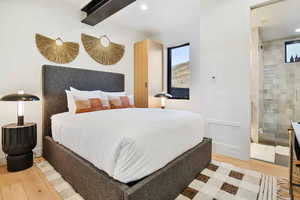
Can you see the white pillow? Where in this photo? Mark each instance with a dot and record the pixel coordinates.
(112, 95)
(79, 94)
(70, 101)
(131, 99)
(115, 93)
(84, 92)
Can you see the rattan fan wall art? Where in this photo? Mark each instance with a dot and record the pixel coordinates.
(57, 51)
(106, 55)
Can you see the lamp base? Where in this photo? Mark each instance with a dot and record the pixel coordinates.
(20, 120)
(19, 162)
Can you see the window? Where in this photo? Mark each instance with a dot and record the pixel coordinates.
(179, 71)
(292, 51)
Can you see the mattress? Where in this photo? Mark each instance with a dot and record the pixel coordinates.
(129, 144)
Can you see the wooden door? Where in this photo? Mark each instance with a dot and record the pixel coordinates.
(141, 74)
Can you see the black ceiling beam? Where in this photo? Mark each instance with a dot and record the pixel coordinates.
(99, 10)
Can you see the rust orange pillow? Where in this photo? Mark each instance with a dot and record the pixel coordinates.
(89, 105)
(117, 102)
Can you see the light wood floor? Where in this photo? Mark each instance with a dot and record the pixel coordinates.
(264, 167)
(29, 184)
(32, 185)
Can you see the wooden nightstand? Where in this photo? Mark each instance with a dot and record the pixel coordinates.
(17, 143)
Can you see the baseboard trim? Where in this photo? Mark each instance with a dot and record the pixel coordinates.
(229, 150)
(229, 146)
(226, 147)
(223, 123)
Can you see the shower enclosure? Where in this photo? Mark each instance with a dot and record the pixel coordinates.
(280, 99)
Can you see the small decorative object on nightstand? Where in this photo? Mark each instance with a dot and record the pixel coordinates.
(163, 97)
(19, 139)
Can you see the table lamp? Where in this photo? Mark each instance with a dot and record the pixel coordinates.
(163, 97)
(20, 97)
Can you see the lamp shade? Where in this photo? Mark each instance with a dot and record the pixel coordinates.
(20, 97)
(166, 95)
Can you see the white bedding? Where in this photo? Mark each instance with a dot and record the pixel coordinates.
(129, 144)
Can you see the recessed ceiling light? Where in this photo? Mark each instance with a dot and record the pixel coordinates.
(144, 7)
(298, 30)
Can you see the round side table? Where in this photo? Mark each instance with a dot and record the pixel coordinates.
(17, 143)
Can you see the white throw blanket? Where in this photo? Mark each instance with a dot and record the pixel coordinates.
(129, 144)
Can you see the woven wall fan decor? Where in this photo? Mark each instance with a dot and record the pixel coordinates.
(57, 50)
(105, 55)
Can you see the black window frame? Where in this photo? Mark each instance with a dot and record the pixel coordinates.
(177, 93)
(285, 46)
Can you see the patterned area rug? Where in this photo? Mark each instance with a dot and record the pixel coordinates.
(219, 181)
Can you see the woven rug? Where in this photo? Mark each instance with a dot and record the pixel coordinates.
(219, 181)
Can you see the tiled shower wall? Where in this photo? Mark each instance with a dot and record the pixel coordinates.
(281, 94)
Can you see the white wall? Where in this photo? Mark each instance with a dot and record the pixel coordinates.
(21, 62)
(189, 34)
(225, 53)
(220, 46)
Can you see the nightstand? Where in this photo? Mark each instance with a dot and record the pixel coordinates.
(17, 143)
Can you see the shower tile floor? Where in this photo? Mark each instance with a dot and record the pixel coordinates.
(273, 154)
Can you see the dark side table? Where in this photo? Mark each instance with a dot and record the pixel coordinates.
(17, 143)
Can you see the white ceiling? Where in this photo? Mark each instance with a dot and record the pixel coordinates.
(278, 20)
(161, 16)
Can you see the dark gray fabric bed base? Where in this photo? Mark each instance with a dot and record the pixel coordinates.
(94, 184)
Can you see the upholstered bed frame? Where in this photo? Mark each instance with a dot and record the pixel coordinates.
(90, 182)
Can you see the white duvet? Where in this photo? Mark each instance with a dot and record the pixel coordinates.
(129, 144)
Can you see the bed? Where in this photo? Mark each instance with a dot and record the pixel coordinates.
(92, 181)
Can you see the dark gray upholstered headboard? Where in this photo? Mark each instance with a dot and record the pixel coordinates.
(58, 79)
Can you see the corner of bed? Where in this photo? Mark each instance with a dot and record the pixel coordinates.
(89, 181)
